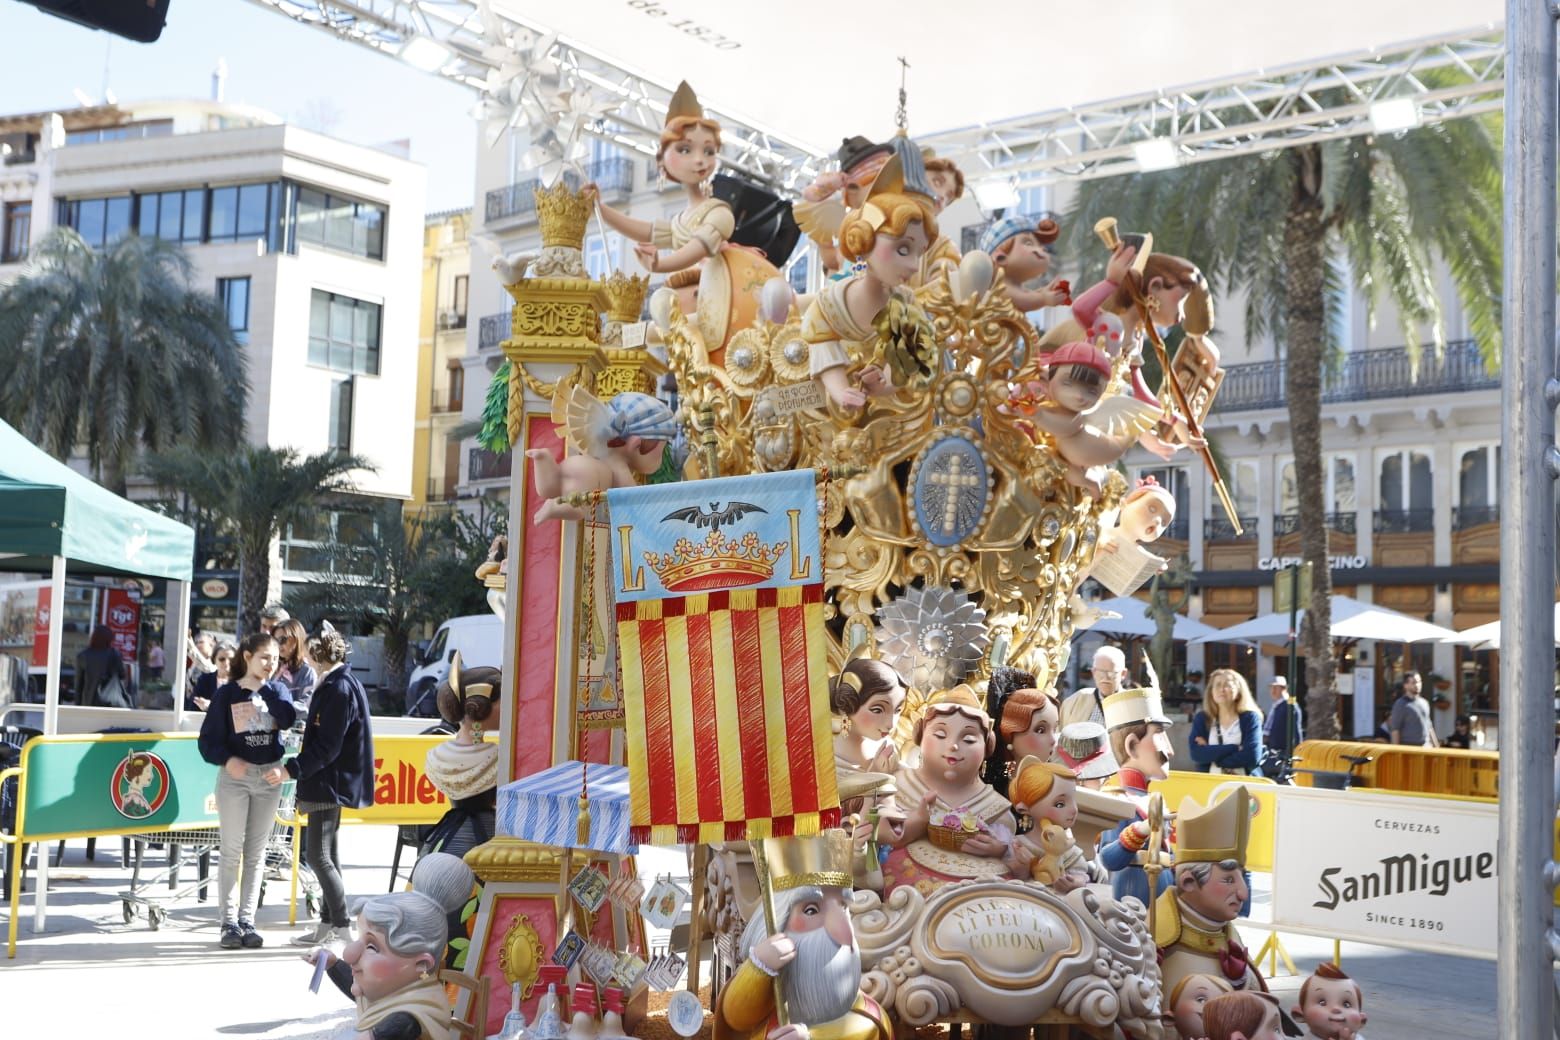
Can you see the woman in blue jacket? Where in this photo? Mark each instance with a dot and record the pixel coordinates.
(242, 734)
(334, 768)
(1227, 732)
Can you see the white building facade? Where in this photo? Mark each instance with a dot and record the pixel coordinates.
(313, 245)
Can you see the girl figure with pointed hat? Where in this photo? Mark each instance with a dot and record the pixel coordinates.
(889, 234)
(689, 155)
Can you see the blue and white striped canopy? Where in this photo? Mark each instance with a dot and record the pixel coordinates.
(544, 807)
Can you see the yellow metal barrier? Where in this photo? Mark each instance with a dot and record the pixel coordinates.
(1399, 767)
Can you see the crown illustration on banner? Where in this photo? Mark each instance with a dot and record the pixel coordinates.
(717, 562)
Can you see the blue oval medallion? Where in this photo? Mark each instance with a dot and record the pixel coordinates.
(950, 491)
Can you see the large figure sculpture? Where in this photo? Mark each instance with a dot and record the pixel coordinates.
(813, 954)
(1027, 723)
(465, 768)
(1193, 924)
(394, 960)
(956, 825)
(617, 443)
(819, 214)
(866, 699)
(1020, 248)
(1140, 740)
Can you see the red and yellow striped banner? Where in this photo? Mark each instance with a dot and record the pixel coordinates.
(727, 715)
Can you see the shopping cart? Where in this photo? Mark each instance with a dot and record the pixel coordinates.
(147, 898)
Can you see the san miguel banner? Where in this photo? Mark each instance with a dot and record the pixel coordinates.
(1392, 870)
(719, 593)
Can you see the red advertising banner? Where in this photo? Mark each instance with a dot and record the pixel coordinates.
(40, 648)
(121, 612)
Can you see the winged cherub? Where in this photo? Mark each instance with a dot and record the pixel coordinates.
(618, 442)
(1092, 429)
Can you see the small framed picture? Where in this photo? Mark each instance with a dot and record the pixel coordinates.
(589, 889)
(628, 970)
(665, 971)
(664, 903)
(569, 949)
(598, 962)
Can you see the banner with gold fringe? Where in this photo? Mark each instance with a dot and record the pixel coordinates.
(723, 656)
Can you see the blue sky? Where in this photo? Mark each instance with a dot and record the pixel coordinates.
(302, 74)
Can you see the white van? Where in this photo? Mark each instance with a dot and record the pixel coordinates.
(480, 640)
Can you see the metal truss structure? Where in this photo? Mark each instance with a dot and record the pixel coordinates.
(1447, 77)
(390, 26)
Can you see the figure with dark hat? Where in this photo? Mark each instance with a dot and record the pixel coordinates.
(465, 768)
(819, 213)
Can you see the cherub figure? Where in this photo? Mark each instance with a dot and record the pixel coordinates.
(1019, 248)
(618, 442)
(1091, 429)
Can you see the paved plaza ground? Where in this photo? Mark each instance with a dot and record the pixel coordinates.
(90, 969)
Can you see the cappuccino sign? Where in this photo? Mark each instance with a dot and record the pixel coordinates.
(1399, 870)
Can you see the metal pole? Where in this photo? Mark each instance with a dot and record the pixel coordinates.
(1294, 630)
(1525, 1004)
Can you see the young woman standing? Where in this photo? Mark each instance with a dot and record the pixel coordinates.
(204, 686)
(295, 673)
(242, 734)
(334, 768)
(1227, 732)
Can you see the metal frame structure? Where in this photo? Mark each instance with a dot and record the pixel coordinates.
(389, 26)
(1458, 74)
(1325, 98)
(1530, 392)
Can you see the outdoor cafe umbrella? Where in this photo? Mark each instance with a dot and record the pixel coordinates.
(1351, 619)
(1488, 636)
(1135, 621)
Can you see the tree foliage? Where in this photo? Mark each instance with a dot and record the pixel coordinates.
(252, 494)
(114, 351)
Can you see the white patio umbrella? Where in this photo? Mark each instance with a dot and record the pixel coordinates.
(1488, 636)
(1134, 621)
(1351, 619)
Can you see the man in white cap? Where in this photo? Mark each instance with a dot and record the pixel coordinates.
(1140, 740)
(1282, 730)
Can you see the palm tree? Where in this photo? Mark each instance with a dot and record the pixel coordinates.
(115, 351)
(1289, 227)
(254, 493)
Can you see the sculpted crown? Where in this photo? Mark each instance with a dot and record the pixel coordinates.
(625, 295)
(717, 562)
(563, 215)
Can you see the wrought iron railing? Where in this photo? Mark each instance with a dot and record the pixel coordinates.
(1464, 517)
(1364, 376)
(1404, 521)
(485, 465)
(492, 330)
(1289, 523)
(1343, 523)
(1219, 529)
(612, 176)
(1286, 523)
(1180, 529)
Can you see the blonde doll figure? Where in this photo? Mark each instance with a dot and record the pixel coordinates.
(1047, 792)
(689, 155)
(855, 352)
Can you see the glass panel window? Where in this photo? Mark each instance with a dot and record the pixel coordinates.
(116, 219)
(1421, 484)
(1391, 498)
(340, 431)
(252, 203)
(1342, 471)
(194, 215)
(234, 294)
(1473, 479)
(344, 333)
(224, 213)
(146, 216)
(170, 215)
(89, 220)
(311, 216)
(462, 289)
(18, 231)
(340, 223)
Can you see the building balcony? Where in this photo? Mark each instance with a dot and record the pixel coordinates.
(492, 330)
(1289, 523)
(1365, 376)
(1180, 529)
(1219, 529)
(1404, 521)
(516, 203)
(1465, 517)
(484, 465)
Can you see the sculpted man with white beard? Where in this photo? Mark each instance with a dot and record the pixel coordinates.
(814, 955)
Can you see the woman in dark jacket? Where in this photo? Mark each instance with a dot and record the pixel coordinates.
(295, 672)
(97, 668)
(1227, 733)
(334, 768)
(242, 734)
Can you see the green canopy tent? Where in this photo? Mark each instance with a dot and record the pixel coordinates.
(54, 520)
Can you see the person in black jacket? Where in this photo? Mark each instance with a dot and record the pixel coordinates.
(242, 734)
(334, 768)
(97, 669)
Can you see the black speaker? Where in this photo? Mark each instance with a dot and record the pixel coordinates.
(140, 20)
(764, 219)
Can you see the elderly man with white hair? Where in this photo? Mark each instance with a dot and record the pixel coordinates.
(814, 955)
(1109, 670)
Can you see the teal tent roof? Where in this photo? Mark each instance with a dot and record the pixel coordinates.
(48, 509)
